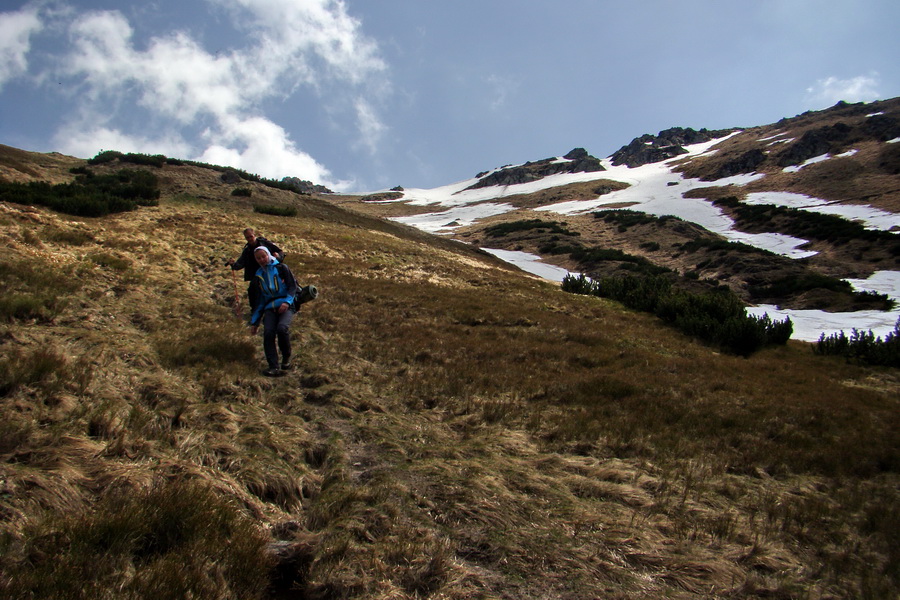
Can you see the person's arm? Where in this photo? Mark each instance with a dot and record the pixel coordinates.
(275, 250)
(237, 265)
(255, 318)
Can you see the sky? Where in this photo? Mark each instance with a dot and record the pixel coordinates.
(365, 95)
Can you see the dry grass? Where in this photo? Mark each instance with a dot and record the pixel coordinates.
(453, 430)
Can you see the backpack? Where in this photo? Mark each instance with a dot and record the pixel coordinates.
(305, 294)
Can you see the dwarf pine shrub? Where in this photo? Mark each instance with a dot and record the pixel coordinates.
(278, 211)
(108, 156)
(89, 195)
(863, 346)
(716, 317)
(625, 218)
(804, 223)
(503, 229)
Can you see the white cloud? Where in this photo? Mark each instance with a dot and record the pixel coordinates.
(87, 141)
(181, 87)
(370, 126)
(257, 145)
(831, 90)
(297, 32)
(16, 29)
(174, 77)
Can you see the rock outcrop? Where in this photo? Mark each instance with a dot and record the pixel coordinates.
(305, 187)
(576, 161)
(667, 144)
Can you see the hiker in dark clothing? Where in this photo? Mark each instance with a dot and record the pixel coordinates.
(247, 262)
(275, 309)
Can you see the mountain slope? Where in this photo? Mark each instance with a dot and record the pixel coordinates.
(812, 200)
(454, 429)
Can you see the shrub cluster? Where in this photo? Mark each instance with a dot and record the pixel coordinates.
(503, 229)
(108, 156)
(89, 195)
(714, 245)
(158, 160)
(278, 211)
(797, 284)
(629, 218)
(807, 224)
(591, 255)
(716, 317)
(863, 346)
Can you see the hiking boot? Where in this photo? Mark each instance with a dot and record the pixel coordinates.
(286, 366)
(272, 372)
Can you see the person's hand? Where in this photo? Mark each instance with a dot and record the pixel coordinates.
(283, 308)
(254, 329)
(229, 262)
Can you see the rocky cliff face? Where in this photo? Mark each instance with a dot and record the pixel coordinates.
(576, 161)
(663, 146)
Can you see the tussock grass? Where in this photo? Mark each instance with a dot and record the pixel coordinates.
(33, 290)
(451, 430)
(165, 541)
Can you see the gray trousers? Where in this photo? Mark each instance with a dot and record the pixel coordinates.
(277, 326)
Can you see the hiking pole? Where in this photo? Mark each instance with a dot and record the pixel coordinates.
(237, 297)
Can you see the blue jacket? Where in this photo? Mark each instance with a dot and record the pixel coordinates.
(277, 286)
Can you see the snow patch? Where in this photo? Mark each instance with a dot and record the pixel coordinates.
(530, 263)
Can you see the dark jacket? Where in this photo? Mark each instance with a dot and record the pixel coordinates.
(248, 263)
(277, 286)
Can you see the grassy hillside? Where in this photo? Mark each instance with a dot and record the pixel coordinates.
(454, 429)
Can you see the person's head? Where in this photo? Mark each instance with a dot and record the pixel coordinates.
(250, 235)
(262, 256)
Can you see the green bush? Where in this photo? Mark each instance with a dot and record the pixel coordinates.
(104, 157)
(108, 156)
(90, 195)
(716, 317)
(794, 284)
(863, 346)
(806, 224)
(625, 218)
(244, 192)
(278, 211)
(503, 229)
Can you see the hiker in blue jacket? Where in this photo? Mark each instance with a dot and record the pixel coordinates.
(275, 309)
